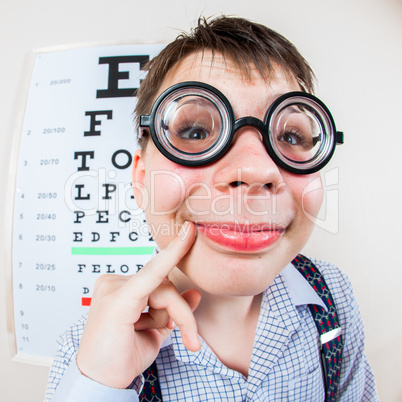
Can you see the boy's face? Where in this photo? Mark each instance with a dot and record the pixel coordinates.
(249, 213)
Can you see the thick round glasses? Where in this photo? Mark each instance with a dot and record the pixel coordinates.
(193, 124)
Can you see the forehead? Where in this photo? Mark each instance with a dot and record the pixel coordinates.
(225, 75)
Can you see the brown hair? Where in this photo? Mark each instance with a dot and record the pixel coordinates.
(246, 43)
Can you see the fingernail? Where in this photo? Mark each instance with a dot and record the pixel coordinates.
(184, 230)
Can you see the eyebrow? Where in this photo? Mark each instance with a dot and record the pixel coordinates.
(208, 105)
(295, 109)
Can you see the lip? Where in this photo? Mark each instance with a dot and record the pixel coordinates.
(249, 238)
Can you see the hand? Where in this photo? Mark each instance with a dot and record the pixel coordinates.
(119, 340)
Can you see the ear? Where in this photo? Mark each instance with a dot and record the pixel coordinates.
(138, 180)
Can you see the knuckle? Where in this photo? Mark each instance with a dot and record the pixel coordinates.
(164, 295)
(105, 284)
(167, 284)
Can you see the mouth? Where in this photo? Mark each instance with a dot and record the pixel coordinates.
(245, 238)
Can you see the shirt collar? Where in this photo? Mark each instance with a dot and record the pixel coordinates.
(300, 291)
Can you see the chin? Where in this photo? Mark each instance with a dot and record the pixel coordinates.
(228, 274)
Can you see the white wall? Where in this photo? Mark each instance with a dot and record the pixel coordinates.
(355, 47)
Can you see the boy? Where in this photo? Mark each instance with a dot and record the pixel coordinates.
(225, 113)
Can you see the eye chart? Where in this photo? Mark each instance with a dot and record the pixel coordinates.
(75, 216)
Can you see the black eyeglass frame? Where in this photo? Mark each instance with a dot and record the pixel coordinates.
(335, 137)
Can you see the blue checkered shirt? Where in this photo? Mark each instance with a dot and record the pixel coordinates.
(285, 364)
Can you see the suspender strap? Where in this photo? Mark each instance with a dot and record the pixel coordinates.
(327, 325)
(151, 392)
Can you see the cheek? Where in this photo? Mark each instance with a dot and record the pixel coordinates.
(168, 185)
(308, 193)
(166, 192)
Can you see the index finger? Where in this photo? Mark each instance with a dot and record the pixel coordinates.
(155, 271)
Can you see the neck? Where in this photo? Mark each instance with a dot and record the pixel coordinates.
(226, 323)
(227, 311)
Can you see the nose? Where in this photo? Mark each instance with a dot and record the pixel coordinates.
(248, 164)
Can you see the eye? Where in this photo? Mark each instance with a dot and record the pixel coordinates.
(290, 138)
(295, 138)
(194, 133)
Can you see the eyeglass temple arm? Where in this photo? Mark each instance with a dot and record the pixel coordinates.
(339, 137)
(145, 120)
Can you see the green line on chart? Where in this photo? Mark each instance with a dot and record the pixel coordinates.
(112, 250)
